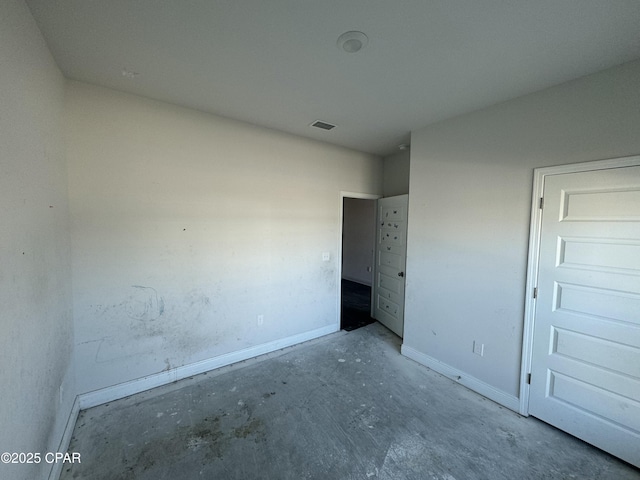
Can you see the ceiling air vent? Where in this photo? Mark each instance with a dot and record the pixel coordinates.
(322, 125)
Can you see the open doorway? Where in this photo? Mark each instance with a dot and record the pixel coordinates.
(358, 259)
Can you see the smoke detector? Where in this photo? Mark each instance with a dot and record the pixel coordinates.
(352, 42)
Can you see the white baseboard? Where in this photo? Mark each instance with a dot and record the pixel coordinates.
(56, 468)
(509, 401)
(115, 392)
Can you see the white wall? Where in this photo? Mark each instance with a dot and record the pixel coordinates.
(358, 239)
(187, 226)
(469, 208)
(396, 174)
(35, 279)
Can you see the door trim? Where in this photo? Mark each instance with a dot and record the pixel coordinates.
(539, 175)
(343, 195)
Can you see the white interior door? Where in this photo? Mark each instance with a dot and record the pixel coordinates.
(585, 367)
(391, 256)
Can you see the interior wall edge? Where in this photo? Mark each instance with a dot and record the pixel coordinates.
(65, 440)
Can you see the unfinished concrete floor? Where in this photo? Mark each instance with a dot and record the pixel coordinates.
(347, 406)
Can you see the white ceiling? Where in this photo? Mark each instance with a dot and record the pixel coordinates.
(276, 63)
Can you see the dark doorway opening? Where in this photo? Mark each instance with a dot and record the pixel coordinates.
(358, 244)
(356, 305)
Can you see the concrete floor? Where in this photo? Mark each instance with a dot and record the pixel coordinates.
(347, 406)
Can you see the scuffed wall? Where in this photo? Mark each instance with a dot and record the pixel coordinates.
(36, 337)
(186, 227)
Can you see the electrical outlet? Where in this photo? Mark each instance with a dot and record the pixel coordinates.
(326, 256)
(478, 348)
(260, 320)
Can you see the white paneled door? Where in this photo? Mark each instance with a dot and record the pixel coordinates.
(391, 253)
(585, 363)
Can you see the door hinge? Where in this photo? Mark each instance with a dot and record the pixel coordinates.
(528, 379)
(535, 292)
(541, 203)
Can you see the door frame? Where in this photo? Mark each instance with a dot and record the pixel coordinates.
(343, 195)
(539, 175)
